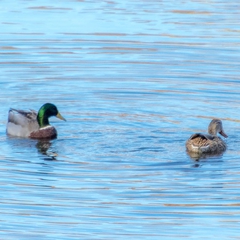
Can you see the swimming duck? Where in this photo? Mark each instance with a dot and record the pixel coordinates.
(32, 124)
(208, 143)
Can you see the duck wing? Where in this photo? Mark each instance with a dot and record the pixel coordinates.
(201, 136)
(199, 142)
(21, 123)
(205, 143)
(21, 117)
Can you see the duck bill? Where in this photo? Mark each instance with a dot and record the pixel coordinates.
(60, 117)
(223, 134)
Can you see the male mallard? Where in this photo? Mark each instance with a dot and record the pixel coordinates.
(208, 143)
(32, 124)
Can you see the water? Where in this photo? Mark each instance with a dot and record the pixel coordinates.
(134, 79)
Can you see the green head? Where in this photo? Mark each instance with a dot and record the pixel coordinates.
(46, 111)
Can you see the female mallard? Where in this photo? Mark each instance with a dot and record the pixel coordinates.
(32, 124)
(208, 143)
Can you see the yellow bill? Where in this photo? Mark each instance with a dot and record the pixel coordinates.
(60, 117)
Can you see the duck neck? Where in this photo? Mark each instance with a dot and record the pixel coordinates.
(42, 119)
(212, 132)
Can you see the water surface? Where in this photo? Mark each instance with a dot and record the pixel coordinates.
(134, 79)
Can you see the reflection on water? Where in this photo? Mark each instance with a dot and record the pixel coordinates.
(134, 79)
(198, 156)
(43, 148)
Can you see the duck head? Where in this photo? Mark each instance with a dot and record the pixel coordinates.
(215, 127)
(46, 111)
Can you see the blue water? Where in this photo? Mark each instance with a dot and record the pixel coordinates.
(134, 79)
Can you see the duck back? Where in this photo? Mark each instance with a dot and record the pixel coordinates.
(21, 123)
(205, 143)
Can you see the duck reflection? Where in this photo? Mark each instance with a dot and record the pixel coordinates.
(198, 156)
(43, 147)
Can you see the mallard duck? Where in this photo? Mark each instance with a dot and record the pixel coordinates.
(32, 124)
(208, 143)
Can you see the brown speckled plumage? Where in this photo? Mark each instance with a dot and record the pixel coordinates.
(208, 143)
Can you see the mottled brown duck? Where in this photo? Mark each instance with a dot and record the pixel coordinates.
(32, 124)
(208, 143)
